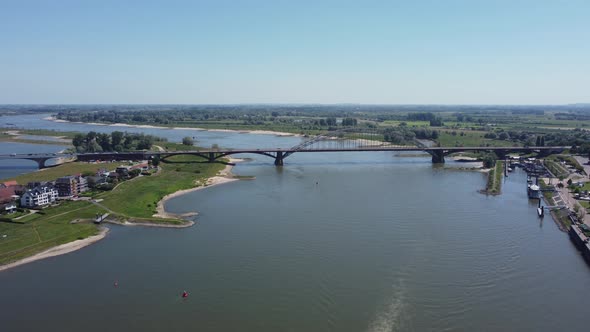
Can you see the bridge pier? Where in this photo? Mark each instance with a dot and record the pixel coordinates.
(438, 157)
(279, 158)
(41, 162)
(502, 154)
(211, 157)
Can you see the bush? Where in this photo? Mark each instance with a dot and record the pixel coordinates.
(187, 141)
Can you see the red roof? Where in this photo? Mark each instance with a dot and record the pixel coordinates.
(10, 183)
(6, 194)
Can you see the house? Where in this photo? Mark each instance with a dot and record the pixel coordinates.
(102, 171)
(35, 184)
(8, 184)
(39, 196)
(7, 194)
(81, 184)
(7, 199)
(7, 208)
(123, 170)
(142, 166)
(94, 181)
(67, 186)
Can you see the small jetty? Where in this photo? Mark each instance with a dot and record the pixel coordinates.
(100, 218)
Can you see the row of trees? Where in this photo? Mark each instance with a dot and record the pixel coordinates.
(405, 135)
(115, 141)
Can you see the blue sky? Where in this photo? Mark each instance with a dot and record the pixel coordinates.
(370, 52)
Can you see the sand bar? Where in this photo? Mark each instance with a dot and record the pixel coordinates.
(258, 132)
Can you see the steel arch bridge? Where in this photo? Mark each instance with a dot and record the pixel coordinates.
(348, 140)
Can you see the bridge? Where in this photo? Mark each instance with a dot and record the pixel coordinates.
(42, 158)
(438, 153)
(337, 141)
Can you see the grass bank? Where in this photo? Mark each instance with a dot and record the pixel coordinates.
(49, 228)
(15, 135)
(134, 201)
(139, 197)
(494, 184)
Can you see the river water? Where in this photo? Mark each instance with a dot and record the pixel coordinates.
(329, 242)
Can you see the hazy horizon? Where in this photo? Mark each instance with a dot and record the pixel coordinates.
(455, 52)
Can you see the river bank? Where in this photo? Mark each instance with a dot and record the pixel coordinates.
(59, 250)
(257, 131)
(224, 176)
(127, 212)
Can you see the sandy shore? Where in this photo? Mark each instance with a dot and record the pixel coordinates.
(187, 223)
(59, 250)
(224, 176)
(259, 132)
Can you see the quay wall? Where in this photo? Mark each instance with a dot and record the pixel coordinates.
(581, 241)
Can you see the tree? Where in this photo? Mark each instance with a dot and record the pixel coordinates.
(156, 161)
(187, 141)
(436, 122)
(489, 160)
(569, 182)
(104, 141)
(78, 140)
(116, 138)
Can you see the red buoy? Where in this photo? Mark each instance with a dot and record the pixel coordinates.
(184, 294)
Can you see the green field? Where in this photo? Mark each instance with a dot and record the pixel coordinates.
(132, 200)
(139, 197)
(457, 138)
(39, 232)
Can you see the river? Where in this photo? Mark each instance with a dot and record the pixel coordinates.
(329, 242)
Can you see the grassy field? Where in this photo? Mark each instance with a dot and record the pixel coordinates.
(53, 173)
(139, 197)
(41, 231)
(469, 138)
(555, 168)
(135, 198)
(48, 132)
